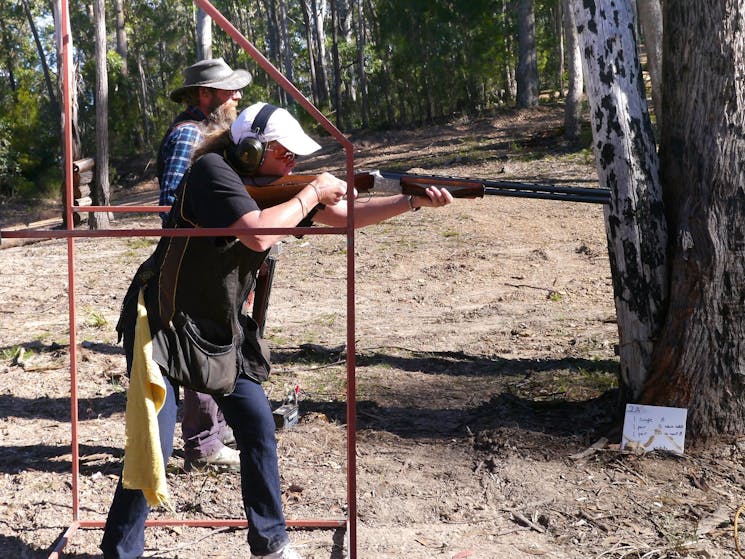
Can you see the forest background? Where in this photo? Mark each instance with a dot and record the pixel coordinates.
(367, 64)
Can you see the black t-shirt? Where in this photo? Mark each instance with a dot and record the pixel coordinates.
(217, 197)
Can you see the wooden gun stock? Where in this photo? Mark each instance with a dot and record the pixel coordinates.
(270, 191)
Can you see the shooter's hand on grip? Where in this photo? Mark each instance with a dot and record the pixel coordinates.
(329, 190)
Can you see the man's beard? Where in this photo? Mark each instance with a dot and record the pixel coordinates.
(224, 113)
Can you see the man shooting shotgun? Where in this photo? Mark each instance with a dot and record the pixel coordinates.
(269, 191)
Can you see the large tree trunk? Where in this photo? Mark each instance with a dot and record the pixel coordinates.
(319, 15)
(527, 65)
(336, 65)
(143, 100)
(650, 18)
(286, 49)
(122, 45)
(573, 104)
(9, 58)
(627, 163)
(204, 35)
(699, 359)
(274, 45)
(311, 42)
(361, 32)
(42, 57)
(101, 189)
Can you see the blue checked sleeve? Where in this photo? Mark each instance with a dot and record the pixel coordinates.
(177, 152)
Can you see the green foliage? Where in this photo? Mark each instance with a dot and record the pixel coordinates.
(28, 159)
(447, 56)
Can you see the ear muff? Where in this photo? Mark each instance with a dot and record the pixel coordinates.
(249, 154)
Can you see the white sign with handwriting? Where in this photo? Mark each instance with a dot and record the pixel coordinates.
(654, 427)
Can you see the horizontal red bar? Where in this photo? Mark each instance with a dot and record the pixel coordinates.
(216, 522)
(222, 232)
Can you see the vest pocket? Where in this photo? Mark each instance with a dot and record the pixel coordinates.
(201, 358)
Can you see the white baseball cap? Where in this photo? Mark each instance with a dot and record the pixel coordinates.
(280, 127)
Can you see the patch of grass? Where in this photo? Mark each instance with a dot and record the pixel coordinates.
(572, 385)
(138, 243)
(277, 339)
(326, 319)
(96, 319)
(601, 381)
(554, 296)
(10, 353)
(515, 147)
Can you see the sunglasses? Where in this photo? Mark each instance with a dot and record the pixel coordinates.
(284, 155)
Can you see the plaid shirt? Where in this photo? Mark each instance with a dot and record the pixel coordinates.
(176, 151)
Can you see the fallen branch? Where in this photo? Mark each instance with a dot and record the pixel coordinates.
(597, 445)
(529, 523)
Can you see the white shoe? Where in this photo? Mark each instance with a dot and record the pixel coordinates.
(227, 437)
(287, 552)
(225, 458)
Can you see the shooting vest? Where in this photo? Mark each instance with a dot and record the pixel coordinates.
(195, 294)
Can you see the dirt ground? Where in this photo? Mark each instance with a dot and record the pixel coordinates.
(486, 380)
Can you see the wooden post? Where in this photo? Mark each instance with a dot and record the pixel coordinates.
(82, 177)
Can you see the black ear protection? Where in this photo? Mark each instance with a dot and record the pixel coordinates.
(248, 155)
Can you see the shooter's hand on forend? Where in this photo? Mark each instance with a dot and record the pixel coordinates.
(433, 197)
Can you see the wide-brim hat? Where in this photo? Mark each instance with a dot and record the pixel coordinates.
(214, 73)
(280, 127)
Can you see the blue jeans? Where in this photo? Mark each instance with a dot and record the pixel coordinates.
(248, 412)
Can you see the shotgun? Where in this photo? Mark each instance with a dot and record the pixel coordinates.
(269, 191)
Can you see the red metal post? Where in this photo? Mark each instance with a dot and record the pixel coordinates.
(66, 43)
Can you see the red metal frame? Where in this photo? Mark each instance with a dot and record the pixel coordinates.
(70, 234)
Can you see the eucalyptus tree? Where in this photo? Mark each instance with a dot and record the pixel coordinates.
(678, 270)
(101, 192)
(650, 21)
(204, 35)
(699, 357)
(573, 102)
(122, 41)
(527, 67)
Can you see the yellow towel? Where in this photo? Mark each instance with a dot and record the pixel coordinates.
(143, 461)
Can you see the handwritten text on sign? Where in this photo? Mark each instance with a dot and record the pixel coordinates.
(654, 427)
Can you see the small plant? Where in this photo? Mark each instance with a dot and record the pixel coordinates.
(327, 319)
(554, 296)
(96, 319)
(140, 242)
(10, 353)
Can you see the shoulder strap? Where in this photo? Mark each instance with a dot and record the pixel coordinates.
(262, 118)
(176, 216)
